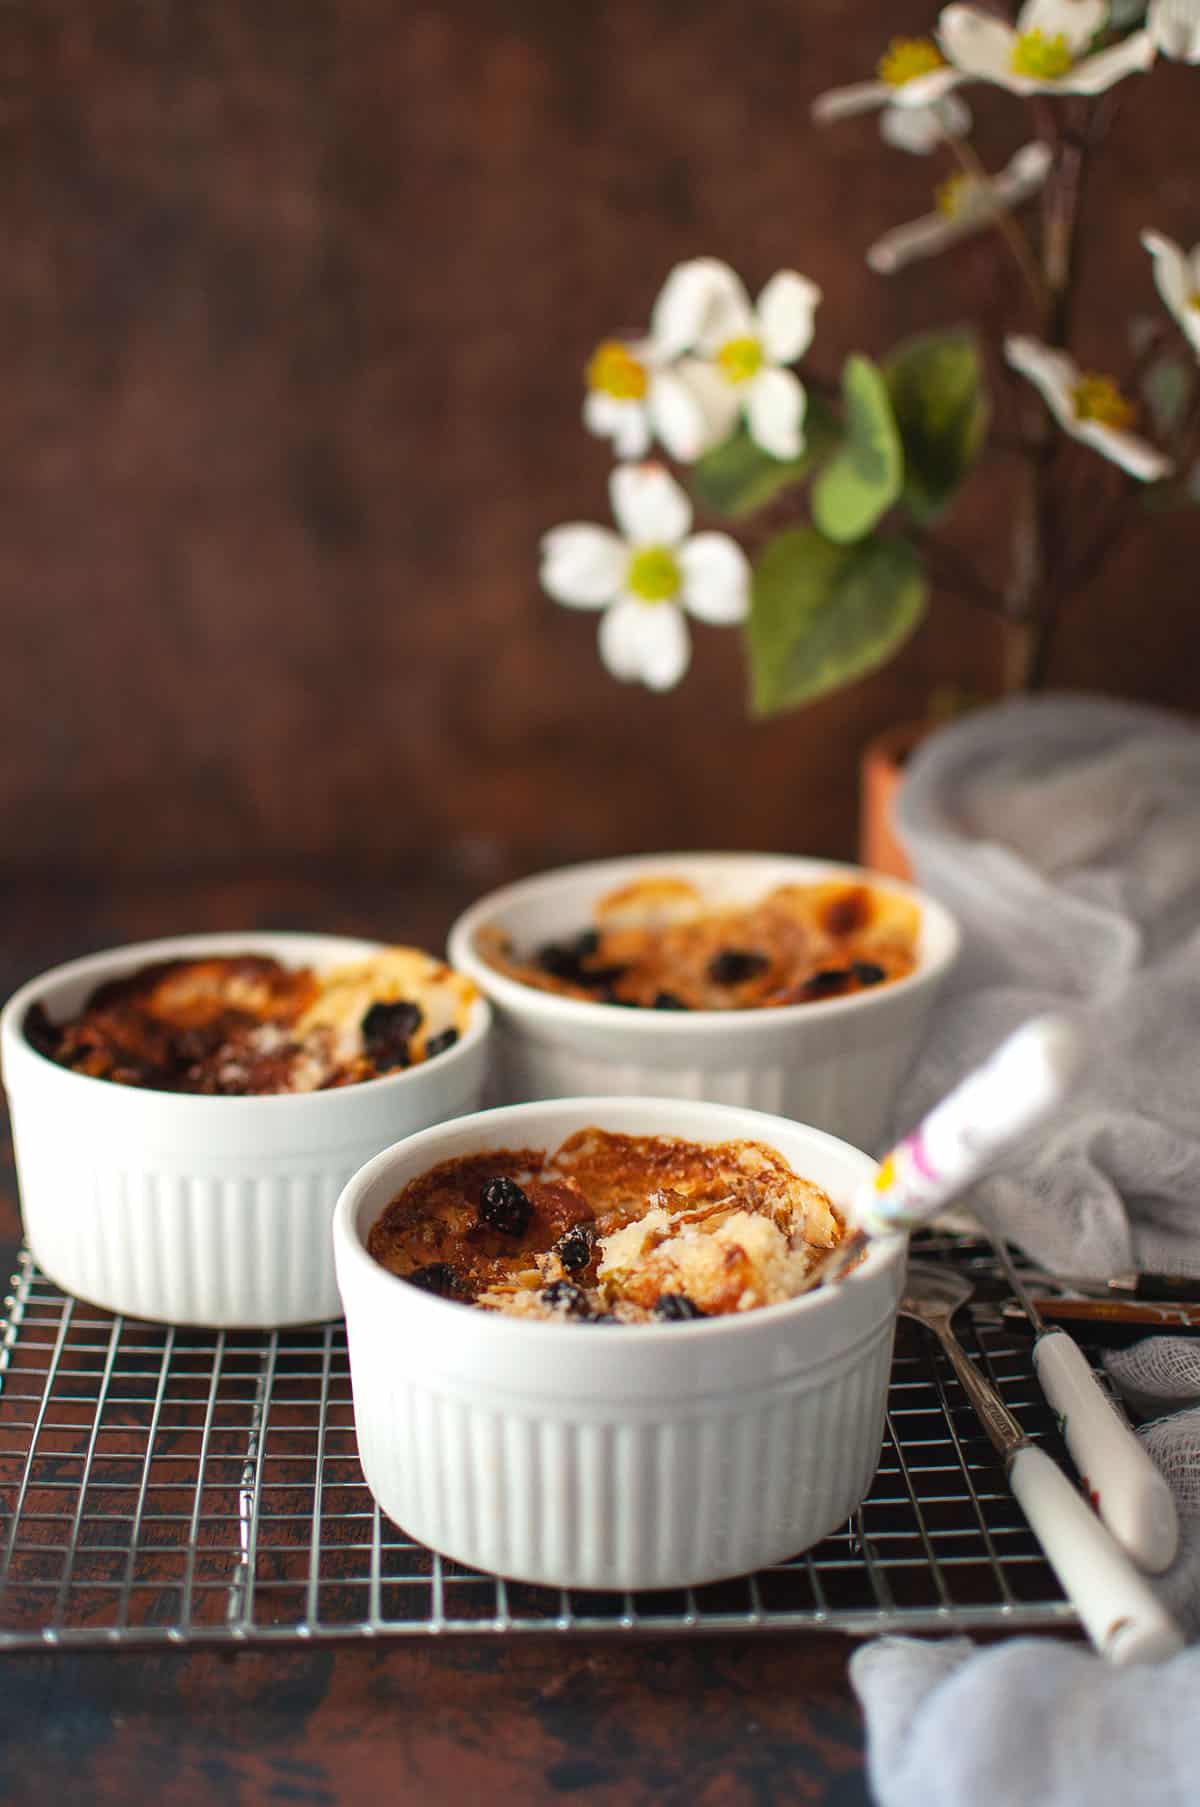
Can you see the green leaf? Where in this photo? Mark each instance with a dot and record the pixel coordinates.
(1180, 491)
(1166, 390)
(936, 383)
(822, 614)
(863, 478)
(737, 476)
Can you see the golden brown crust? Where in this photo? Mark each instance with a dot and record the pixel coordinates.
(725, 1226)
(655, 943)
(246, 1025)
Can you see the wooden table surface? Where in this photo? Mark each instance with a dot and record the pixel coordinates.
(714, 1722)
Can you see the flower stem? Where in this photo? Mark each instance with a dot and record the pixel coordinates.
(1003, 219)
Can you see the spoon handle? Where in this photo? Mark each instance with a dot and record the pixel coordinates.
(997, 1104)
(1125, 1487)
(1120, 1614)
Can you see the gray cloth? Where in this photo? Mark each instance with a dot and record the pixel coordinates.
(1039, 1721)
(1064, 833)
(1027, 1723)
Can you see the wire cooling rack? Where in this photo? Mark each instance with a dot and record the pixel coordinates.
(174, 1486)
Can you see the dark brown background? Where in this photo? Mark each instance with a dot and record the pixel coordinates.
(295, 297)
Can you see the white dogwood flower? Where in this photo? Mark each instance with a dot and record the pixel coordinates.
(634, 397)
(1088, 406)
(1177, 279)
(733, 354)
(912, 94)
(965, 204)
(1047, 51)
(646, 576)
(1174, 26)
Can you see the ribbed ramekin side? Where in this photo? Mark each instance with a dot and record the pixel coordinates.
(184, 1246)
(592, 1499)
(847, 1093)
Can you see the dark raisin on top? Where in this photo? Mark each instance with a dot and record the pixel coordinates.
(676, 1308)
(386, 1029)
(574, 1248)
(437, 1044)
(40, 1032)
(867, 973)
(828, 981)
(564, 959)
(733, 965)
(504, 1207)
(667, 1000)
(568, 960)
(563, 1295)
(438, 1277)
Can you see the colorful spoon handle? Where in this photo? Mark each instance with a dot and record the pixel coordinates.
(988, 1111)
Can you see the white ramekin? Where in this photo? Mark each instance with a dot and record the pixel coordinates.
(834, 1063)
(202, 1210)
(615, 1456)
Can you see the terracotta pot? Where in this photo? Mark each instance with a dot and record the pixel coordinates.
(880, 777)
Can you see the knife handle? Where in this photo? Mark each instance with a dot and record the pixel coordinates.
(1122, 1482)
(1120, 1614)
(1145, 1316)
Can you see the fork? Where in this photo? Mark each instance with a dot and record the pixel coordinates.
(1123, 1618)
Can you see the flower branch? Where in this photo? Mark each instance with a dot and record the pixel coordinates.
(841, 489)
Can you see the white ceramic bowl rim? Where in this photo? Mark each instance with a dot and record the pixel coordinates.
(538, 1333)
(464, 955)
(92, 969)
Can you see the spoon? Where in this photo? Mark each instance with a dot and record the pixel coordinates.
(998, 1103)
(1128, 1491)
(1120, 1614)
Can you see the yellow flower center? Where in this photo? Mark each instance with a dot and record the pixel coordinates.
(740, 359)
(1042, 58)
(906, 58)
(958, 195)
(1097, 397)
(1193, 299)
(615, 371)
(653, 574)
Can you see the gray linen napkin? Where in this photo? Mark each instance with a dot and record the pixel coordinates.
(1065, 835)
(1026, 1723)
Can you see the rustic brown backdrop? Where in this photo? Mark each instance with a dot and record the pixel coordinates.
(295, 297)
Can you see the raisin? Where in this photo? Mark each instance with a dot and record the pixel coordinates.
(41, 1033)
(600, 978)
(564, 959)
(504, 1207)
(385, 1032)
(735, 964)
(564, 1296)
(867, 973)
(676, 1308)
(667, 1000)
(437, 1044)
(557, 960)
(438, 1277)
(574, 1248)
(828, 982)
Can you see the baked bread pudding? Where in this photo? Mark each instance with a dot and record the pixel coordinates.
(610, 1229)
(246, 1025)
(658, 944)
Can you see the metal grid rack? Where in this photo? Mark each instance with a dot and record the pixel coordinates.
(173, 1486)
